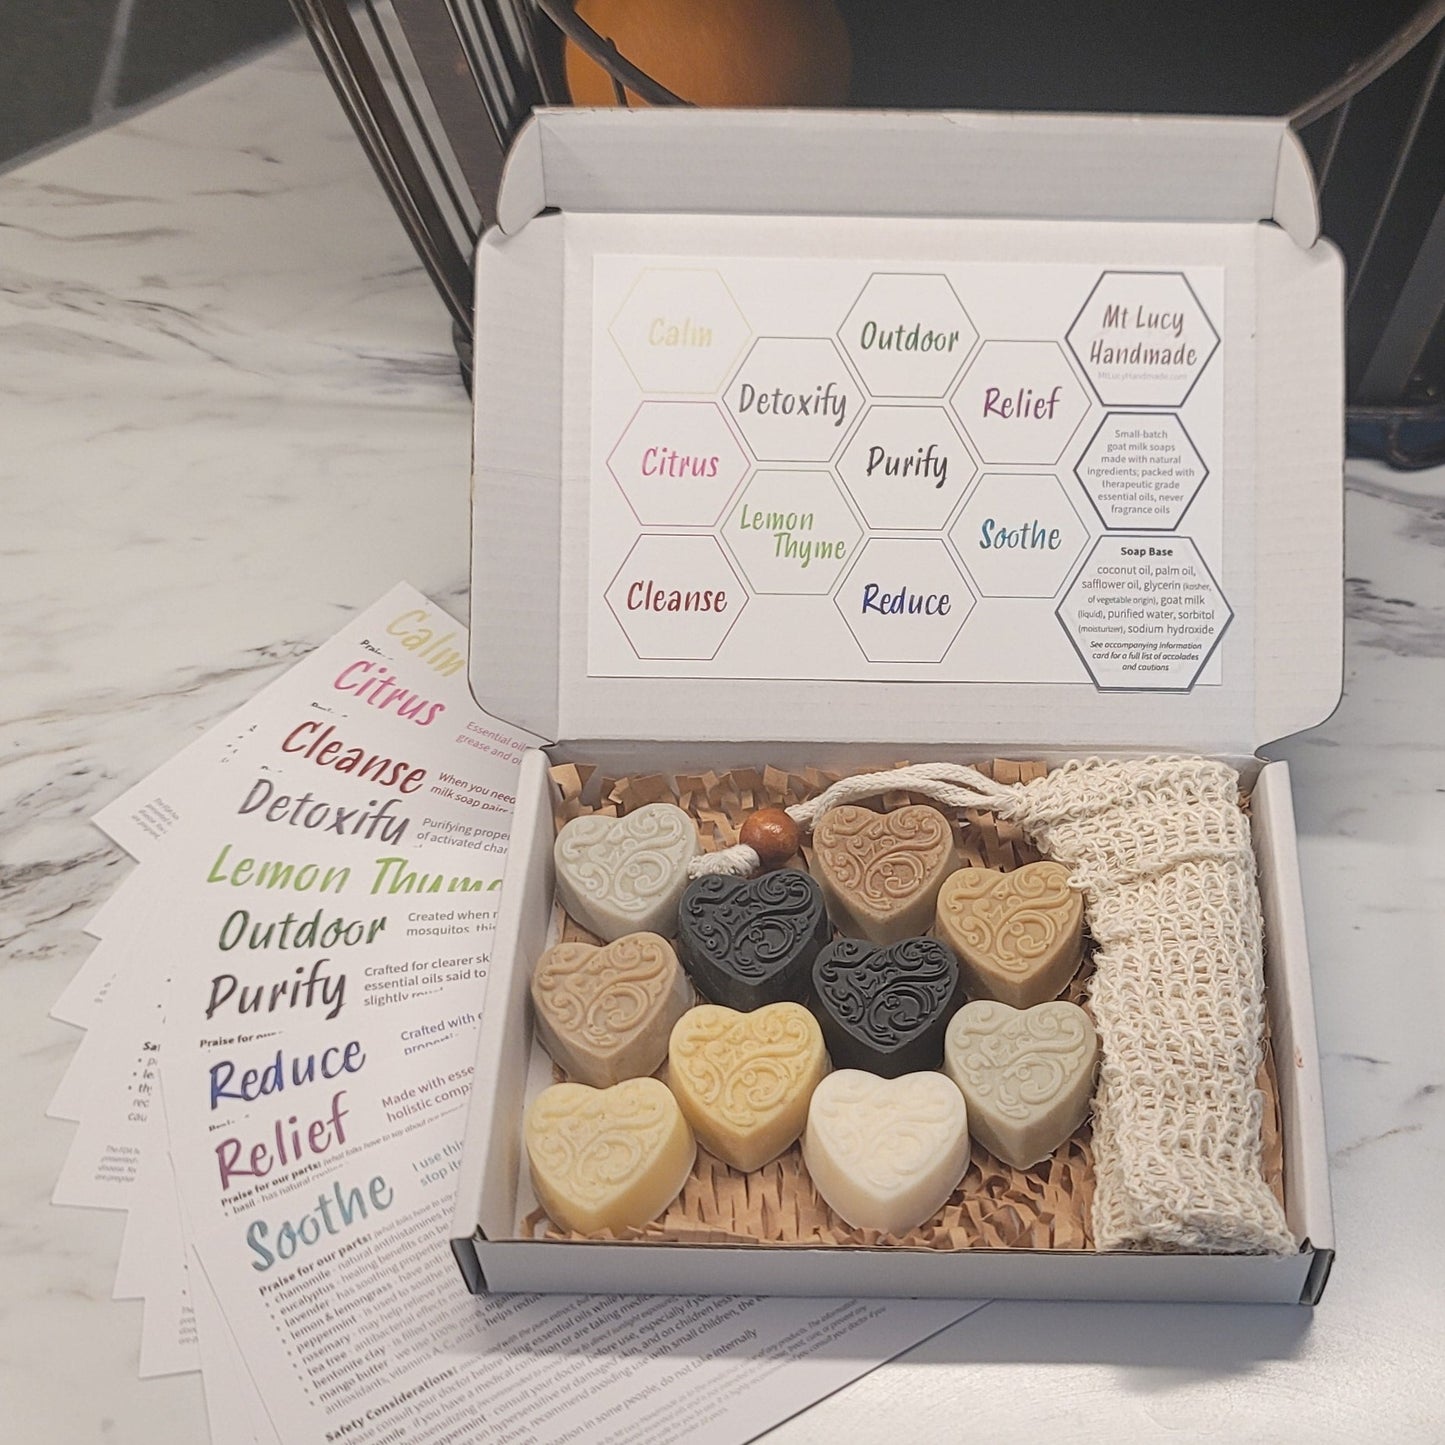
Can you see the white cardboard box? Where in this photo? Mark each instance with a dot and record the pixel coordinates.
(916, 189)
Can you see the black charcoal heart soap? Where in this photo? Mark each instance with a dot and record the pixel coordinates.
(746, 942)
(885, 1010)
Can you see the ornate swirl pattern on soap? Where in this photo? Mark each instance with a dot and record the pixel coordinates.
(755, 925)
(1015, 921)
(595, 1141)
(882, 859)
(886, 995)
(629, 862)
(604, 994)
(1019, 1063)
(744, 1066)
(886, 1133)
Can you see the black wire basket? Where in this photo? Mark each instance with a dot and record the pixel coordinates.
(436, 90)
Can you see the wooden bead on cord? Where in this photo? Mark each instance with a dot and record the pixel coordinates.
(773, 836)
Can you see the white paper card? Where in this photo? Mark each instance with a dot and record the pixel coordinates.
(980, 471)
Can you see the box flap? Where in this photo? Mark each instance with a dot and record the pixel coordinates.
(946, 163)
(1300, 498)
(1278, 383)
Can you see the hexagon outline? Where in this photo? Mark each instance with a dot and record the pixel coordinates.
(818, 469)
(1070, 362)
(771, 462)
(696, 271)
(1070, 571)
(922, 404)
(743, 457)
(1203, 365)
(978, 475)
(1153, 415)
(963, 361)
(727, 562)
(895, 662)
(1203, 661)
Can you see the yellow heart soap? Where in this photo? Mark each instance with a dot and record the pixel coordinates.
(605, 1014)
(607, 1158)
(881, 872)
(744, 1080)
(1019, 936)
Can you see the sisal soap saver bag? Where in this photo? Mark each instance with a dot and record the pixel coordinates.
(1160, 849)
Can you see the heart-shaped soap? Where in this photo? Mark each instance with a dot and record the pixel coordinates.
(1019, 936)
(743, 1080)
(881, 872)
(885, 1009)
(605, 1014)
(607, 1158)
(886, 1153)
(746, 942)
(1026, 1075)
(625, 875)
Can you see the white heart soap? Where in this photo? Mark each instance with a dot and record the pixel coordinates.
(625, 875)
(886, 1153)
(1027, 1074)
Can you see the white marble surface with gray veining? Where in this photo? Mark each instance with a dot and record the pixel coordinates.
(229, 416)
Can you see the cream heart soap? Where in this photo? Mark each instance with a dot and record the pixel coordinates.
(1026, 1075)
(743, 1080)
(607, 1159)
(881, 872)
(625, 875)
(605, 1014)
(1019, 936)
(886, 1153)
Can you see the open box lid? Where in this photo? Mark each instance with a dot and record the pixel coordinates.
(581, 187)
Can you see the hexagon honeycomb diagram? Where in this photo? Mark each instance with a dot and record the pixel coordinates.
(794, 399)
(907, 335)
(1142, 338)
(791, 532)
(679, 330)
(906, 468)
(904, 599)
(676, 596)
(1019, 402)
(1019, 535)
(677, 463)
(1144, 613)
(1141, 470)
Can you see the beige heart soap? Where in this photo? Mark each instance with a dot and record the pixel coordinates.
(886, 1153)
(744, 1080)
(605, 1014)
(1027, 1076)
(1019, 936)
(881, 872)
(625, 875)
(607, 1158)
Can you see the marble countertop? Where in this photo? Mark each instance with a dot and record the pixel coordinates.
(229, 416)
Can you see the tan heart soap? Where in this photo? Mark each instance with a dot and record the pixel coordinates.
(1019, 936)
(1026, 1076)
(607, 1158)
(881, 872)
(744, 1081)
(605, 1014)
